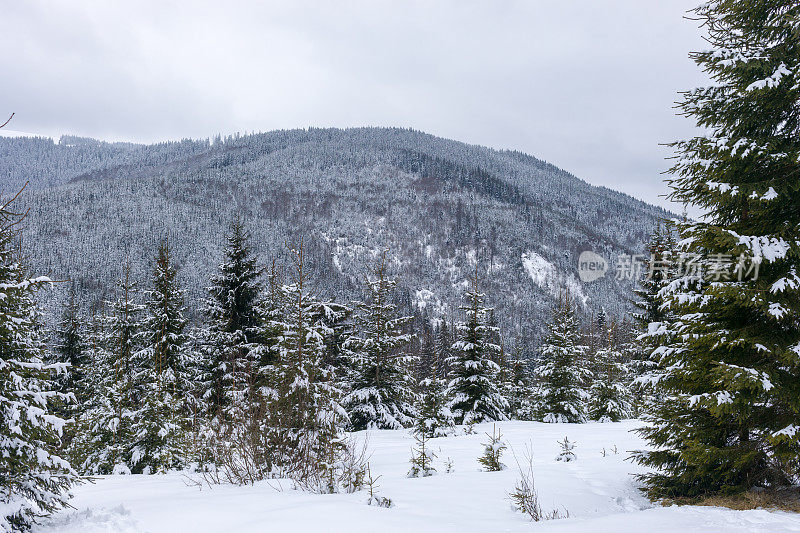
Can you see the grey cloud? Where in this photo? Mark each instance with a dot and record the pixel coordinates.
(587, 85)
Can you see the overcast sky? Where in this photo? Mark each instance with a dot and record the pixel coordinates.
(587, 85)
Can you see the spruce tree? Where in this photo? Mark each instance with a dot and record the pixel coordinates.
(563, 375)
(159, 430)
(69, 348)
(442, 349)
(35, 481)
(87, 428)
(381, 397)
(610, 397)
(434, 418)
(305, 416)
(234, 324)
(651, 317)
(516, 386)
(730, 371)
(473, 393)
(106, 439)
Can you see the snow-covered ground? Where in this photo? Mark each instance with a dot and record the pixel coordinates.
(598, 492)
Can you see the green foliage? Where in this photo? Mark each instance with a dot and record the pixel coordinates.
(609, 395)
(422, 458)
(563, 375)
(434, 418)
(381, 395)
(729, 362)
(234, 324)
(493, 452)
(161, 425)
(473, 391)
(34, 480)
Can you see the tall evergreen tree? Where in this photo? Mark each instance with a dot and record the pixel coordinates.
(306, 417)
(473, 394)
(442, 349)
(69, 348)
(515, 379)
(160, 427)
(434, 418)
(381, 397)
(106, 440)
(234, 324)
(563, 374)
(165, 324)
(610, 397)
(34, 481)
(731, 369)
(651, 318)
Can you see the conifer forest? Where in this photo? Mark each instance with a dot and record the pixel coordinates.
(375, 328)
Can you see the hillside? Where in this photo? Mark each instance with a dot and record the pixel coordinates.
(439, 206)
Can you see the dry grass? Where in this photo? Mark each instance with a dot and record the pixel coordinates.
(781, 500)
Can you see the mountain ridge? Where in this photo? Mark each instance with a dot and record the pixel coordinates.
(439, 205)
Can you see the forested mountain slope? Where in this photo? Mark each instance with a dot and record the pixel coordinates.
(438, 206)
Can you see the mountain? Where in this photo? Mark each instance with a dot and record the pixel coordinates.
(440, 207)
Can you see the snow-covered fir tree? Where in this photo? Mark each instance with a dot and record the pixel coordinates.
(381, 395)
(106, 439)
(34, 480)
(731, 369)
(160, 427)
(563, 376)
(434, 418)
(516, 386)
(306, 418)
(336, 321)
(267, 336)
(232, 310)
(660, 269)
(69, 347)
(473, 393)
(609, 394)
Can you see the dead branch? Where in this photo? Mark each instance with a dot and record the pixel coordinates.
(7, 121)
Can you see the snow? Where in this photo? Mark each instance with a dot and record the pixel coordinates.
(4, 132)
(599, 493)
(771, 81)
(538, 268)
(766, 247)
(543, 273)
(426, 299)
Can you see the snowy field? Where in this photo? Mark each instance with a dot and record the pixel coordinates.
(598, 492)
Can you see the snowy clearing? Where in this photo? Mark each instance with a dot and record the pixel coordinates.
(599, 493)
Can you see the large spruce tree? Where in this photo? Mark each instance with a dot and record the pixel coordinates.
(609, 394)
(159, 429)
(234, 325)
(473, 392)
(563, 374)
(651, 318)
(381, 395)
(305, 416)
(34, 481)
(731, 369)
(106, 438)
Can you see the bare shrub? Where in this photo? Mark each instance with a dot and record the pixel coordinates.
(524, 497)
(372, 490)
